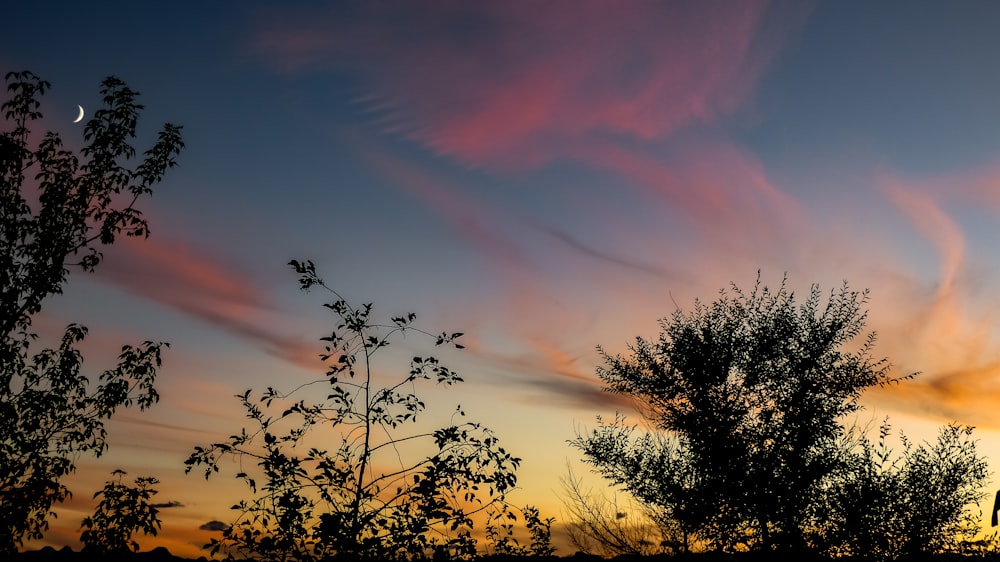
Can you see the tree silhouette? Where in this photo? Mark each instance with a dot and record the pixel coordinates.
(57, 209)
(342, 477)
(749, 393)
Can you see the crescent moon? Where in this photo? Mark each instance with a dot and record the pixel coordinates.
(80, 116)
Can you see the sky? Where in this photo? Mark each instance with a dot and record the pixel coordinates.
(545, 177)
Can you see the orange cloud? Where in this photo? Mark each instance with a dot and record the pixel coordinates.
(968, 393)
(948, 331)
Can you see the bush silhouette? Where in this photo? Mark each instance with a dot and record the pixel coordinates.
(919, 502)
(122, 512)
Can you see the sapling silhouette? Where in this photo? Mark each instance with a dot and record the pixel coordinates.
(607, 526)
(353, 475)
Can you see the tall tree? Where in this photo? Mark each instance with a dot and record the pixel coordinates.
(751, 390)
(57, 209)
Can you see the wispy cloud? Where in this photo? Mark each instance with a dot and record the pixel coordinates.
(167, 505)
(936, 226)
(596, 254)
(516, 84)
(181, 277)
(947, 331)
(527, 352)
(711, 186)
(475, 223)
(546, 372)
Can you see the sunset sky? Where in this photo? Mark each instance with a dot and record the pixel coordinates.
(543, 176)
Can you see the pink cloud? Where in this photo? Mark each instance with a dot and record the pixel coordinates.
(512, 84)
(531, 348)
(178, 274)
(980, 187)
(936, 226)
(181, 277)
(712, 191)
(468, 216)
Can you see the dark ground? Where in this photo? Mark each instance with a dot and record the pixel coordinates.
(161, 554)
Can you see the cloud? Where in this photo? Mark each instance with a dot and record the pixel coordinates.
(516, 85)
(599, 255)
(214, 525)
(965, 394)
(469, 217)
(945, 330)
(178, 274)
(167, 505)
(186, 279)
(935, 225)
(709, 185)
(513, 84)
(141, 431)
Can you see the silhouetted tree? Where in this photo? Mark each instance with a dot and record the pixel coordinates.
(56, 210)
(340, 476)
(749, 392)
(123, 511)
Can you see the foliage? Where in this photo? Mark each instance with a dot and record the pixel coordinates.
(919, 502)
(122, 511)
(748, 392)
(346, 477)
(501, 533)
(54, 220)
